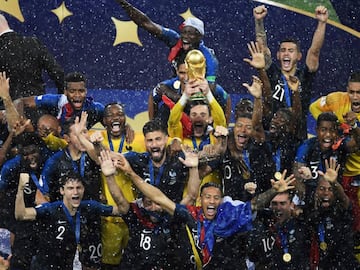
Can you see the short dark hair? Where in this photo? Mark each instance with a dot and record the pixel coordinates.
(68, 124)
(69, 176)
(74, 77)
(27, 139)
(204, 102)
(354, 76)
(211, 184)
(243, 115)
(292, 40)
(180, 60)
(290, 194)
(107, 106)
(326, 117)
(287, 112)
(154, 125)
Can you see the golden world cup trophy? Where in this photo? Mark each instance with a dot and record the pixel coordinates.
(195, 64)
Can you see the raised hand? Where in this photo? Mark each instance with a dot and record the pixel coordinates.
(250, 187)
(5, 263)
(196, 86)
(321, 14)
(21, 126)
(283, 184)
(175, 146)
(256, 88)
(257, 55)
(120, 162)
(191, 157)
(4, 86)
(107, 165)
(305, 173)
(96, 137)
(221, 131)
(80, 123)
(259, 12)
(130, 133)
(350, 118)
(293, 82)
(332, 170)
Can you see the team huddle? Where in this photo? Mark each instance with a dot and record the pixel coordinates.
(190, 191)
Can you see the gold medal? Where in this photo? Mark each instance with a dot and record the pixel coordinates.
(323, 246)
(287, 257)
(278, 176)
(78, 247)
(176, 84)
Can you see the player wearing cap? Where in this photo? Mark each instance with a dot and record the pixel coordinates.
(190, 37)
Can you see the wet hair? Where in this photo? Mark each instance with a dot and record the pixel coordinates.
(154, 125)
(194, 103)
(290, 194)
(243, 115)
(211, 184)
(180, 60)
(25, 140)
(74, 77)
(326, 117)
(354, 76)
(69, 176)
(107, 107)
(287, 112)
(244, 102)
(292, 40)
(68, 124)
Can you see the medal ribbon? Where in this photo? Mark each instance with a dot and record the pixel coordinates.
(283, 237)
(74, 164)
(121, 143)
(204, 141)
(36, 181)
(76, 228)
(246, 159)
(277, 159)
(205, 229)
(158, 177)
(321, 232)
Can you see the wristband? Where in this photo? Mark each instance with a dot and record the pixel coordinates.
(183, 99)
(209, 96)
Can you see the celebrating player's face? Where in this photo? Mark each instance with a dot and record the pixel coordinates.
(326, 133)
(155, 143)
(288, 55)
(76, 94)
(200, 118)
(242, 132)
(324, 194)
(190, 38)
(31, 157)
(354, 93)
(210, 201)
(279, 124)
(74, 141)
(73, 192)
(281, 206)
(114, 120)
